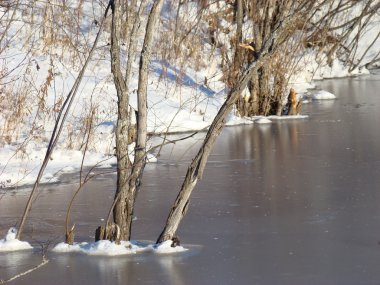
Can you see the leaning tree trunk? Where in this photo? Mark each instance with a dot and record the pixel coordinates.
(198, 164)
(58, 126)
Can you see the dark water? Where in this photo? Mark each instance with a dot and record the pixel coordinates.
(295, 202)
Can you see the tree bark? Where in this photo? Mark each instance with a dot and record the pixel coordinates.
(140, 148)
(133, 39)
(121, 208)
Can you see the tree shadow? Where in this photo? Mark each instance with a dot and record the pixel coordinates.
(172, 73)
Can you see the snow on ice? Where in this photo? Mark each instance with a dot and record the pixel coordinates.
(323, 95)
(263, 121)
(108, 248)
(10, 243)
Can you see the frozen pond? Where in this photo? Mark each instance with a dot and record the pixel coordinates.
(293, 202)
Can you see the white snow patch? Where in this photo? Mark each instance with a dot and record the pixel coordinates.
(68, 169)
(10, 243)
(323, 95)
(235, 120)
(108, 248)
(102, 247)
(263, 120)
(151, 158)
(280, 118)
(166, 247)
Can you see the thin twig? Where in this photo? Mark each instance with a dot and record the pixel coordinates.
(44, 262)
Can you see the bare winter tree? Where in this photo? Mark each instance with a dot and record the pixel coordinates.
(333, 28)
(339, 32)
(128, 173)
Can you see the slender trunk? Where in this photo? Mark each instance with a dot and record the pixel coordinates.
(133, 43)
(140, 148)
(58, 127)
(241, 104)
(239, 26)
(121, 208)
(197, 166)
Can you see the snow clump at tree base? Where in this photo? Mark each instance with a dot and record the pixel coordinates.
(10, 243)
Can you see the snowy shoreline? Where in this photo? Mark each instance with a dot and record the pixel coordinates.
(63, 161)
(181, 99)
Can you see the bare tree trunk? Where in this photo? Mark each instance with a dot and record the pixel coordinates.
(239, 26)
(133, 42)
(140, 149)
(123, 202)
(121, 209)
(129, 175)
(198, 164)
(238, 56)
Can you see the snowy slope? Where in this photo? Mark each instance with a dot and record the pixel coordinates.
(39, 76)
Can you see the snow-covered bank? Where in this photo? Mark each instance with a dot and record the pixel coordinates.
(181, 97)
(17, 170)
(21, 169)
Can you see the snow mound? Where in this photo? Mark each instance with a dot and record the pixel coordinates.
(10, 243)
(263, 121)
(102, 247)
(233, 120)
(323, 95)
(108, 248)
(68, 169)
(166, 247)
(288, 117)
